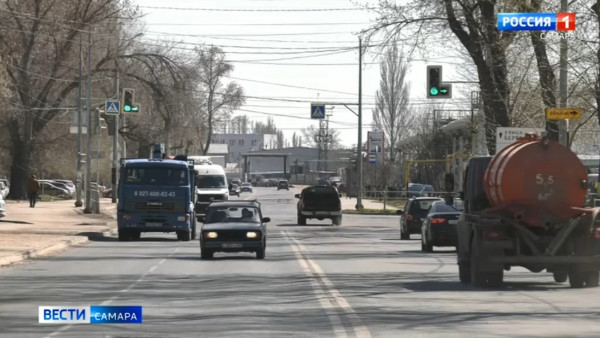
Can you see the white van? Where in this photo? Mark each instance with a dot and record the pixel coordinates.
(211, 185)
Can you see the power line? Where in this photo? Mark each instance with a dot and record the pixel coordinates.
(261, 24)
(256, 9)
(259, 34)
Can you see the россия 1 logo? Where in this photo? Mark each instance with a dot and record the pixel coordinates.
(562, 22)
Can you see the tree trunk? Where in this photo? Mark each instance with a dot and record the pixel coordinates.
(20, 169)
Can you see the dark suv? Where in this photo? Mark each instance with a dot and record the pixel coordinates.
(283, 184)
(411, 218)
(319, 202)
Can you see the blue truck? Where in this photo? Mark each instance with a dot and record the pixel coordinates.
(156, 195)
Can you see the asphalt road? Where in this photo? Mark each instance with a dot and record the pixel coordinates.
(357, 280)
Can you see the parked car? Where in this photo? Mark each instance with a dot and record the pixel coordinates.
(234, 190)
(273, 182)
(2, 207)
(3, 190)
(319, 202)
(107, 193)
(283, 184)
(47, 188)
(236, 181)
(246, 186)
(234, 226)
(439, 226)
(411, 218)
(69, 184)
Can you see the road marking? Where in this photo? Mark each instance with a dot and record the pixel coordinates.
(329, 297)
(127, 289)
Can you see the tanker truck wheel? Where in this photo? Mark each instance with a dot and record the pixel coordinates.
(560, 276)
(592, 278)
(576, 278)
(464, 271)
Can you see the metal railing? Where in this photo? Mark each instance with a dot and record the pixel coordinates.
(400, 196)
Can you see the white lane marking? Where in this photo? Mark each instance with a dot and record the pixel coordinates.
(127, 289)
(334, 298)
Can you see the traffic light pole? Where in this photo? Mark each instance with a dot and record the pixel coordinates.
(115, 157)
(88, 155)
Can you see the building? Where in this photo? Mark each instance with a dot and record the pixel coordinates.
(244, 143)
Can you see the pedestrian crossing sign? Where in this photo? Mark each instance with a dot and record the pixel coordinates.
(112, 107)
(317, 111)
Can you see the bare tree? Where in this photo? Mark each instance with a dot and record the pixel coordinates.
(220, 99)
(309, 134)
(391, 113)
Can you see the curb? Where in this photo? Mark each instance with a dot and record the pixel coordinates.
(368, 213)
(55, 248)
(82, 239)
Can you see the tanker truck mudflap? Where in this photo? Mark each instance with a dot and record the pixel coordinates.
(524, 207)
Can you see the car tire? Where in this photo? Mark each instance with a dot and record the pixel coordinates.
(301, 220)
(193, 234)
(206, 254)
(404, 235)
(428, 245)
(337, 220)
(183, 236)
(260, 253)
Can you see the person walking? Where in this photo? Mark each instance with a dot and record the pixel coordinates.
(33, 186)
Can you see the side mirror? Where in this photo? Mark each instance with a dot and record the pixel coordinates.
(400, 212)
(266, 219)
(297, 195)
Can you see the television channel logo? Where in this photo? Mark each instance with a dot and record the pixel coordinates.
(94, 314)
(562, 22)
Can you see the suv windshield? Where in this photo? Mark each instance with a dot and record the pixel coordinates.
(211, 181)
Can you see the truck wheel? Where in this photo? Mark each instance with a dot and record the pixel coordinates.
(560, 276)
(206, 254)
(123, 235)
(591, 280)
(495, 278)
(576, 278)
(194, 231)
(478, 278)
(337, 220)
(301, 220)
(464, 271)
(183, 236)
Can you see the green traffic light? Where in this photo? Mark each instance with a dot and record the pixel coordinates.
(135, 109)
(127, 108)
(434, 91)
(444, 91)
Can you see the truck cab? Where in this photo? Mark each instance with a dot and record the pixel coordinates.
(156, 195)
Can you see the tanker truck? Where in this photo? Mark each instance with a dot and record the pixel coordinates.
(525, 207)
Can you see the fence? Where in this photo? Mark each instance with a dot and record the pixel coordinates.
(400, 197)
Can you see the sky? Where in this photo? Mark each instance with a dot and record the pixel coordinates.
(288, 54)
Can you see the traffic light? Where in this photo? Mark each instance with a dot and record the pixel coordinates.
(435, 87)
(128, 101)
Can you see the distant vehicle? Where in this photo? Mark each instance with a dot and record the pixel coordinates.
(156, 195)
(107, 193)
(319, 202)
(211, 186)
(69, 184)
(419, 190)
(234, 226)
(262, 183)
(411, 218)
(3, 190)
(283, 184)
(273, 182)
(246, 186)
(439, 226)
(2, 207)
(234, 190)
(50, 189)
(236, 181)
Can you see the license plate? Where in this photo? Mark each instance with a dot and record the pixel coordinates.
(322, 213)
(453, 221)
(153, 224)
(231, 245)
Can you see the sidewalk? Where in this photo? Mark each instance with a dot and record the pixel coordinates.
(50, 227)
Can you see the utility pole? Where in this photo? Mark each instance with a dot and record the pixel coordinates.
(78, 201)
(562, 85)
(327, 140)
(359, 204)
(88, 155)
(115, 155)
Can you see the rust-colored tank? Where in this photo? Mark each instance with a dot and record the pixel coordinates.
(537, 180)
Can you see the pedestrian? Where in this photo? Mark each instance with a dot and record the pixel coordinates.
(33, 186)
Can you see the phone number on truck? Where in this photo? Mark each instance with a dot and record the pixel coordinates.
(154, 193)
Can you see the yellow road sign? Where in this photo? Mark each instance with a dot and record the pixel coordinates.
(563, 113)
